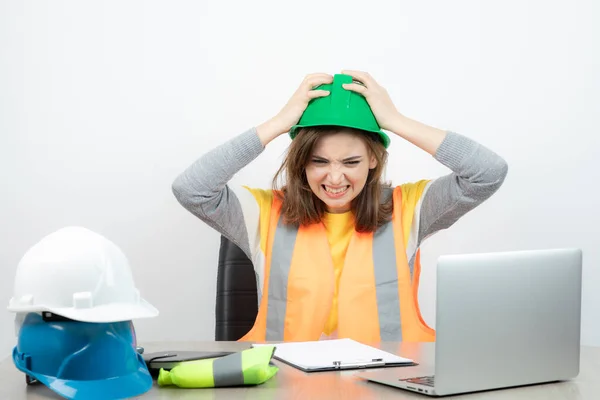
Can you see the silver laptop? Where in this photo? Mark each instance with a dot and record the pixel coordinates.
(502, 320)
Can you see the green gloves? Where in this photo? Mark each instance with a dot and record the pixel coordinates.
(247, 367)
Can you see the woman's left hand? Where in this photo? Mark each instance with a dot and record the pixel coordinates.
(423, 136)
(378, 98)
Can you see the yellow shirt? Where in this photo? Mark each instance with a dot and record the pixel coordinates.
(339, 232)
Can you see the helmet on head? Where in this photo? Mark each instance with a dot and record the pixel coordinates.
(342, 107)
(81, 360)
(78, 274)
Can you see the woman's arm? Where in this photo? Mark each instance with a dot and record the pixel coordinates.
(202, 188)
(423, 136)
(477, 172)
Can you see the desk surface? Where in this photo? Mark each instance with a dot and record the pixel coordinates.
(290, 383)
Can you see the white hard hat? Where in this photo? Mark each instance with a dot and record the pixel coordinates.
(80, 275)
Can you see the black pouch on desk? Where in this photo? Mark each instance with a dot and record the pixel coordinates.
(170, 359)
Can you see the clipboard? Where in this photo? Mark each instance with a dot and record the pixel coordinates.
(335, 355)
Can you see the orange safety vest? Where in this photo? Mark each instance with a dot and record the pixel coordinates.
(378, 293)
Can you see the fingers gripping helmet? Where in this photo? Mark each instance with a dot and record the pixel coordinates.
(343, 108)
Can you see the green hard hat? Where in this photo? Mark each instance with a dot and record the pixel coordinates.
(341, 107)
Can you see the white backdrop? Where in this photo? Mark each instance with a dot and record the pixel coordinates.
(102, 104)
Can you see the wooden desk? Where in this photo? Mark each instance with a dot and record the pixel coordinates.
(290, 383)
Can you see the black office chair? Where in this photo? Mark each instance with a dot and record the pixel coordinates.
(236, 303)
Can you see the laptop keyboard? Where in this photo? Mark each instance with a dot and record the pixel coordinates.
(421, 380)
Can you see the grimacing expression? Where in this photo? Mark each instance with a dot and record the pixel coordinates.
(338, 168)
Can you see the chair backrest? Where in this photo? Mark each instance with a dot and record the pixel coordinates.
(237, 300)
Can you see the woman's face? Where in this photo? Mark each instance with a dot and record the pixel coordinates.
(338, 168)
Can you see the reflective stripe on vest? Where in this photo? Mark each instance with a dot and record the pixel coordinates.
(281, 260)
(386, 288)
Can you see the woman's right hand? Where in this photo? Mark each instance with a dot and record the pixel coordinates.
(290, 114)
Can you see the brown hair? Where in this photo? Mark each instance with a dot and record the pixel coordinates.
(302, 207)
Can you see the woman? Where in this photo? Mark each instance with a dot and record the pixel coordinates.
(335, 250)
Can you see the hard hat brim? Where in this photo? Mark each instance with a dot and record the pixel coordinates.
(114, 312)
(119, 387)
(383, 137)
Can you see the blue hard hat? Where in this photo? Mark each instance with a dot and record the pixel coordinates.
(82, 360)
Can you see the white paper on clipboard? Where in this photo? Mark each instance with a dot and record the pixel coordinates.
(335, 354)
